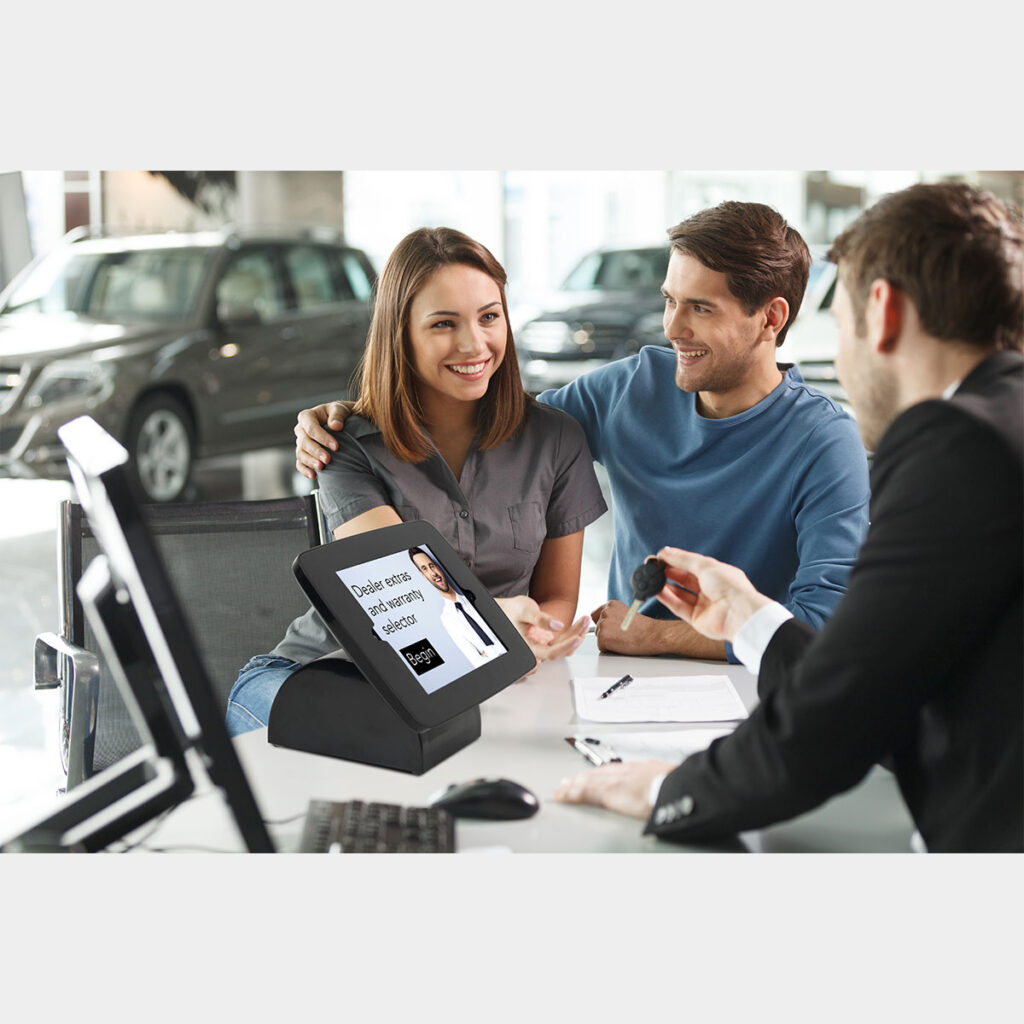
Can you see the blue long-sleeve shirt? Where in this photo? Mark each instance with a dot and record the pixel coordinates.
(780, 490)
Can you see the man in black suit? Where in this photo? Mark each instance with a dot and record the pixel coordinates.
(921, 667)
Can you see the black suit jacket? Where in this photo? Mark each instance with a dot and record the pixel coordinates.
(921, 665)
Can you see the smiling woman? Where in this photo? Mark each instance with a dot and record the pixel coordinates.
(444, 432)
(456, 352)
(438, 296)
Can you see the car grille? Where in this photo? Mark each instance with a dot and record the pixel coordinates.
(547, 339)
(821, 374)
(9, 437)
(10, 378)
(818, 369)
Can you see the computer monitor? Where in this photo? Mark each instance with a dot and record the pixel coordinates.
(99, 469)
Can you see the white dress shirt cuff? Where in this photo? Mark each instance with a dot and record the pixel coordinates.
(652, 793)
(752, 638)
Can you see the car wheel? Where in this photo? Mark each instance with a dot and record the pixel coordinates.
(161, 442)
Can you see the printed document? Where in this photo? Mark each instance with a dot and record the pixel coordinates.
(659, 699)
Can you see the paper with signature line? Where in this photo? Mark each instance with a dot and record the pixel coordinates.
(659, 699)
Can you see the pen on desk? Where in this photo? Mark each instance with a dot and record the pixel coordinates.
(612, 755)
(624, 681)
(579, 745)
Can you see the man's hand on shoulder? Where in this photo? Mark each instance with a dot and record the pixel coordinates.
(313, 444)
(650, 636)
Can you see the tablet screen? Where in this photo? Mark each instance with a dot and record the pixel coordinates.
(417, 608)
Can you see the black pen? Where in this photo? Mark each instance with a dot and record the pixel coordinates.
(624, 681)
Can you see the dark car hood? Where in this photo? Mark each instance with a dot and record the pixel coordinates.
(622, 308)
(28, 337)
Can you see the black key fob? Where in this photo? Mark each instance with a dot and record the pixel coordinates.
(648, 579)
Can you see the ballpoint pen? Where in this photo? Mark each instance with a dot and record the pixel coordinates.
(597, 743)
(585, 748)
(624, 681)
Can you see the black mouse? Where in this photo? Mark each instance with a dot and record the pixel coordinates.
(498, 799)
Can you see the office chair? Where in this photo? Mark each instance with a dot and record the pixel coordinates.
(230, 563)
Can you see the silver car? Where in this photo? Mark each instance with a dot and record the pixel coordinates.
(182, 345)
(813, 339)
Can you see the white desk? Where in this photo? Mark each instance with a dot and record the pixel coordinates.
(522, 739)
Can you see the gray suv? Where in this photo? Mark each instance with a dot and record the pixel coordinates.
(182, 345)
(608, 307)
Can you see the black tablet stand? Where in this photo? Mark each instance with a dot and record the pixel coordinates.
(329, 707)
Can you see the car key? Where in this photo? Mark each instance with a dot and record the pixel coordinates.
(646, 581)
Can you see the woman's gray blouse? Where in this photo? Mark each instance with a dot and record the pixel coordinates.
(497, 515)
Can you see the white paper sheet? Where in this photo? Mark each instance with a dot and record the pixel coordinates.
(659, 699)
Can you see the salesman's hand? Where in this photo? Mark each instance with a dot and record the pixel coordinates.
(546, 637)
(621, 787)
(722, 597)
(312, 441)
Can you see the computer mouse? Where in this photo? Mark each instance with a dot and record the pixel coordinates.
(497, 799)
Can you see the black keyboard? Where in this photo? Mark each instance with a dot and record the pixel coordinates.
(359, 827)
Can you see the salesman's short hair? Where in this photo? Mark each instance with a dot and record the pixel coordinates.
(955, 251)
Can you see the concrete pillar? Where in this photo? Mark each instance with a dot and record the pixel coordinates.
(15, 243)
(291, 197)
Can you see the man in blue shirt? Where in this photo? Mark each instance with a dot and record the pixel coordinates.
(711, 445)
(921, 666)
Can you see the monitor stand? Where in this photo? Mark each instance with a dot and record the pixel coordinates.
(329, 707)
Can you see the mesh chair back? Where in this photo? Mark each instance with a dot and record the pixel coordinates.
(230, 563)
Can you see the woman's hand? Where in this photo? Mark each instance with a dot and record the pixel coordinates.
(546, 637)
(312, 441)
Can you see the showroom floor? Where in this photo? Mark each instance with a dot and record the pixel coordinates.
(30, 772)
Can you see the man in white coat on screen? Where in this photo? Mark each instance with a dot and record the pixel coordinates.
(468, 631)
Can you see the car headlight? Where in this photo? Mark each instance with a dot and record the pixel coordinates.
(66, 379)
(547, 336)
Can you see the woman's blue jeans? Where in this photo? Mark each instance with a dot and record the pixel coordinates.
(254, 692)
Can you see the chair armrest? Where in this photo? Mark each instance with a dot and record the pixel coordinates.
(58, 660)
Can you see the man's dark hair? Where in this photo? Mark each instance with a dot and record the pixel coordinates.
(416, 551)
(956, 252)
(759, 253)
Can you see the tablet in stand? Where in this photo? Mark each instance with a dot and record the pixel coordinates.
(329, 707)
(410, 696)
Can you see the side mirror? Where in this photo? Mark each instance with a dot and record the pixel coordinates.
(237, 314)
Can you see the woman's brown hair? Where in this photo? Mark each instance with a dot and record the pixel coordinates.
(387, 381)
